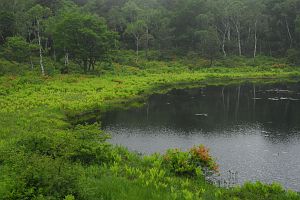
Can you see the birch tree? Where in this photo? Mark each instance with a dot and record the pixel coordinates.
(36, 16)
(137, 29)
(222, 22)
(256, 21)
(237, 9)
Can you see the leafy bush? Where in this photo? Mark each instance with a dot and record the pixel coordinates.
(125, 57)
(179, 162)
(201, 157)
(36, 177)
(17, 49)
(87, 145)
(193, 162)
(240, 61)
(293, 56)
(259, 191)
(9, 68)
(16, 68)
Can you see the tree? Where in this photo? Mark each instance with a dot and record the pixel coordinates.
(297, 30)
(137, 29)
(209, 43)
(256, 21)
(244, 27)
(153, 19)
(83, 37)
(52, 4)
(131, 11)
(237, 10)
(36, 16)
(222, 21)
(17, 49)
(293, 56)
(116, 21)
(7, 25)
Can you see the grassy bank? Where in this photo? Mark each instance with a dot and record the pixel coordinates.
(46, 156)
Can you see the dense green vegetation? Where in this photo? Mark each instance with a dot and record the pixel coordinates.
(97, 55)
(86, 31)
(45, 154)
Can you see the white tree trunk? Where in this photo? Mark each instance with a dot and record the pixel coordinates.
(66, 59)
(223, 43)
(289, 33)
(137, 48)
(239, 38)
(255, 39)
(249, 33)
(147, 41)
(40, 46)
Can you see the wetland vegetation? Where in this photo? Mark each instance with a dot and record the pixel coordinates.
(64, 64)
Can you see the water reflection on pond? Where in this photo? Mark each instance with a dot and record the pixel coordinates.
(252, 129)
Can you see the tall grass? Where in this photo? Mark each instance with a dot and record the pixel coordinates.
(43, 155)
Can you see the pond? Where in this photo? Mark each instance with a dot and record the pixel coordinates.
(252, 129)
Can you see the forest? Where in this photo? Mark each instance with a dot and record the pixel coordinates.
(169, 28)
(66, 64)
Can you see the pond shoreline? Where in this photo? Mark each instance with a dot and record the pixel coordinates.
(36, 130)
(139, 129)
(89, 116)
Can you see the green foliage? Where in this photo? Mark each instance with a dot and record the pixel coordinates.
(17, 49)
(231, 27)
(7, 25)
(259, 191)
(293, 56)
(137, 28)
(38, 12)
(88, 146)
(179, 163)
(111, 187)
(192, 163)
(34, 177)
(46, 155)
(10, 68)
(209, 43)
(85, 37)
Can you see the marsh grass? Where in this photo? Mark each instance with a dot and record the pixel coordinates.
(45, 155)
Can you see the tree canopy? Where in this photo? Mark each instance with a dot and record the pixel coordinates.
(84, 37)
(85, 30)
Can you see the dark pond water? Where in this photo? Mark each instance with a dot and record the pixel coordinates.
(251, 129)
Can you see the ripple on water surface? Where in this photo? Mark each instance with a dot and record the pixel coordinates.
(251, 129)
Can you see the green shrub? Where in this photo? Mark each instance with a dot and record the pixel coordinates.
(17, 49)
(10, 68)
(193, 162)
(87, 145)
(293, 56)
(124, 57)
(36, 177)
(259, 191)
(179, 162)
